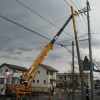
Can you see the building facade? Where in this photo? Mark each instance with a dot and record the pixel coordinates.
(63, 78)
(45, 77)
(14, 72)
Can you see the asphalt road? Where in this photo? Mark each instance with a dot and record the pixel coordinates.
(64, 96)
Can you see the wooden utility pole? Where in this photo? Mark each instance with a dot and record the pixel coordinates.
(78, 54)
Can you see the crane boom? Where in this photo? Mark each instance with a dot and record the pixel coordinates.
(32, 71)
(44, 52)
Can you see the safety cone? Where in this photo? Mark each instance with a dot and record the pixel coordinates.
(59, 97)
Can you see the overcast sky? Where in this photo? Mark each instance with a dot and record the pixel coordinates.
(21, 47)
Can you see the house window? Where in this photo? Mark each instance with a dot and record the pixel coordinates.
(60, 77)
(1, 80)
(6, 70)
(47, 72)
(38, 72)
(51, 73)
(37, 81)
(44, 81)
(51, 82)
(33, 81)
(16, 71)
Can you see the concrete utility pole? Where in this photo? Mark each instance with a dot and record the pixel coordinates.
(79, 60)
(90, 53)
(73, 95)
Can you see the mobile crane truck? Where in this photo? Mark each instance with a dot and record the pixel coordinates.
(21, 91)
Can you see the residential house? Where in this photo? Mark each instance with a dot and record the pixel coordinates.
(15, 72)
(45, 77)
(63, 78)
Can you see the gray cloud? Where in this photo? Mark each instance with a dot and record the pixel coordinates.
(24, 49)
(10, 50)
(29, 59)
(10, 57)
(18, 53)
(53, 57)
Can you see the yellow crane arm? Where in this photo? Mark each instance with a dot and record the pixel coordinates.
(34, 67)
(38, 61)
(44, 52)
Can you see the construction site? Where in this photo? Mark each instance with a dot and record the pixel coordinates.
(41, 81)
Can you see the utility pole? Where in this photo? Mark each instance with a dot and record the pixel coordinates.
(90, 53)
(73, 95)
(78, 54)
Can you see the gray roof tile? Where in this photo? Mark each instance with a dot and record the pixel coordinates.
(14, 67)
(49, 67)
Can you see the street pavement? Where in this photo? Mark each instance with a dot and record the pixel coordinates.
(64, 96)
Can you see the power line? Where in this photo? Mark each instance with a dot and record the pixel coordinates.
(40, 16)
(14, 38)
(39, 30)
(67, 3)
(23, 27)
(74, 5)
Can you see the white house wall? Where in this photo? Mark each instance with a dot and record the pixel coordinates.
(43, 76)
(3, 70)
(14, 77)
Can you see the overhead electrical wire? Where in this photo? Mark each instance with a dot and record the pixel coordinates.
(36, 29)
(67, 3)
(23, 27)
(57, 22)
(94, 36)
(93, 39)
(74, 5)
(14, 39)
(77, 8)
(82, 24)
(35, 13)
(40, 16)
(84, 35)
(26, 28)
(80, 20)
(78, 3)
(67, 7)
(19, 51)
